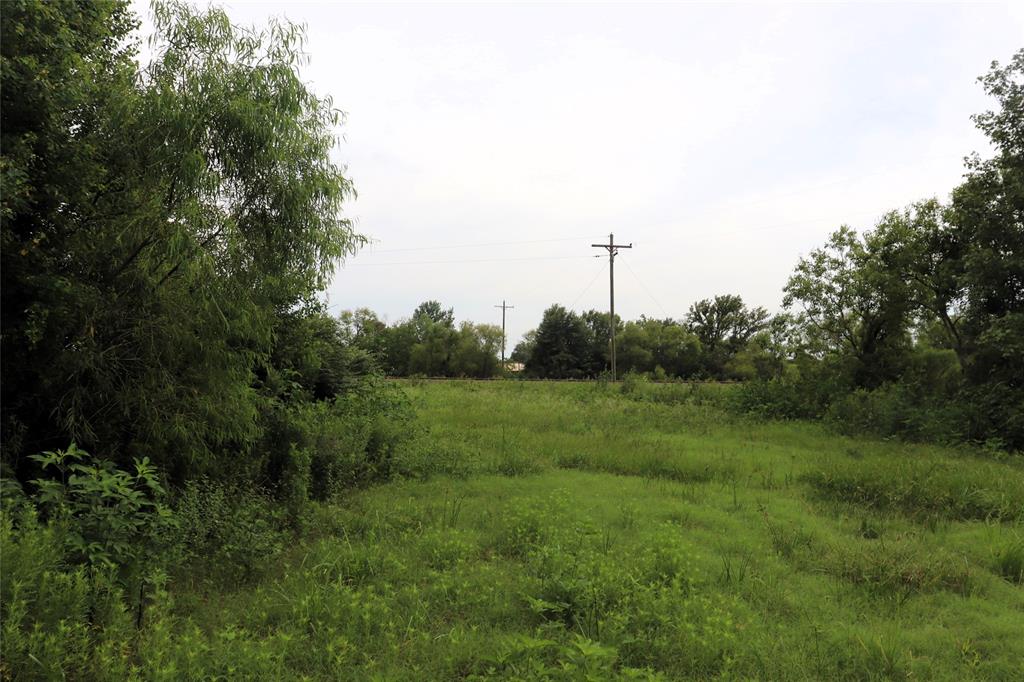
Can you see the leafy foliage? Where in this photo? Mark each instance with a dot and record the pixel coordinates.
(181, 212)
(113, 518)
(560, 350)
(723, 325)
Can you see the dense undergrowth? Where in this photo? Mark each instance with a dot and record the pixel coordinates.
(547, 531)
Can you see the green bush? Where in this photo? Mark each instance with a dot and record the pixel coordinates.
(228, 534)
(59, 619)
(900, 410)
(633, 383)
(787, 397)
(316, 449)
(112, 518)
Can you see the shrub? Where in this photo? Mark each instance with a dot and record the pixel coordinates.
(113, 518)
(315, 449)
(633, 383)
(900, 410)
(782, 398)
(227, 533)
(59, 619)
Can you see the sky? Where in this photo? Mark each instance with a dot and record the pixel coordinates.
(492, 144)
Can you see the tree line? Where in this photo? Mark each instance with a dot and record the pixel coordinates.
(174, 393)
(721, 338)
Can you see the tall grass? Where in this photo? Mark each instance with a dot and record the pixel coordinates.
(571, 531)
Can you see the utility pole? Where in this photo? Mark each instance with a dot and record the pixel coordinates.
(613, 250)
(503, 309)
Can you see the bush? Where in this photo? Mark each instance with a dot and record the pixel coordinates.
(900, 410)
(59, 619)
(315, 449)
(633, 383)
(797, 395)
(229, 534)
(112, 518)
(1008, 560)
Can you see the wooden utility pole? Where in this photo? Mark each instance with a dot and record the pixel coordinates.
(613, 250)
(503, 309)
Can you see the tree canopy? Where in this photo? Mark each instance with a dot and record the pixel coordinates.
(158, 223)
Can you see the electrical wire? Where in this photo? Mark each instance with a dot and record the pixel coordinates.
(590, 284)
(644, 287)
(473, 260)
(481, 244)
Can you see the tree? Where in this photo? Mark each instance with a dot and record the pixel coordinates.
(433, 311)
(399, 340)
(673, 348)
(922, 248)
(598, 358)
(524, 349)
(363, 329)
(159, 226)
(561, 347)
(988, 212)
(435, 341)
(723, 325)
(476, 351)
(633, 349)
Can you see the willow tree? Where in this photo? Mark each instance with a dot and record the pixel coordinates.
(157, 222)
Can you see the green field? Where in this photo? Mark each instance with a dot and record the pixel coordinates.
(568, 531)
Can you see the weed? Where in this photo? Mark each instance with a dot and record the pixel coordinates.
(1008, 560)
(451, 510)
(735, 568)
(788, 541)
(902, 569)
(518, 464)
(925, 490)
(869, 530)
(598, 568)
(572, 460)
(628, 516)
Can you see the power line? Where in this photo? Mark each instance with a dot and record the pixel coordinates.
(476, 260)
(590, 284)
(778, 225)
(849, 180)
(644, 287)
(480, 244)
(706, 234)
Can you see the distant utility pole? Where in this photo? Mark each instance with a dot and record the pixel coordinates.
(613, 250)
(503, 309)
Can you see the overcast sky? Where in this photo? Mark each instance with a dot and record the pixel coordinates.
(723, 141)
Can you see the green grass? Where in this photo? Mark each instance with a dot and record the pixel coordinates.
(568, 531)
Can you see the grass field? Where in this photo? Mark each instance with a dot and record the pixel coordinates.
(569, 531)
